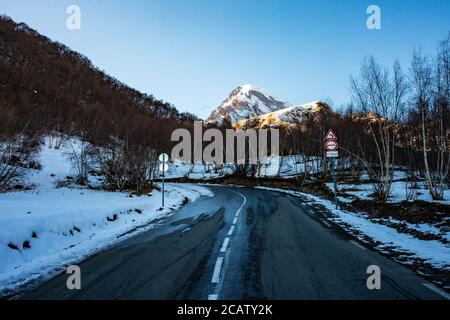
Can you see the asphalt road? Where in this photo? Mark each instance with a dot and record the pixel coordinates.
(244, 243)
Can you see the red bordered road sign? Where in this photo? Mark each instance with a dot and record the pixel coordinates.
(331, 145)
(331, 135)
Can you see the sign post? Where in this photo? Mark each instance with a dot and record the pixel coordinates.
(163, 167)
(257, 173)
(332, 152)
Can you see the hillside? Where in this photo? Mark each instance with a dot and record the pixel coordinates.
(55, 88)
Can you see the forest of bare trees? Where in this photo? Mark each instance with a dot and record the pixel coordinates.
(380, 96)
(396, 120)
(49, 90)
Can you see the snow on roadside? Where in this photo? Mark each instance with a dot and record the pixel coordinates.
(431, 251)
(285, 167)
(44, 229)
(364, 190)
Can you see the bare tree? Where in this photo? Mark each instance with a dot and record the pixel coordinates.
(141, 167)
(431, 101)
(441, 111)
(79, 158)
(16, 146)
(381, 97)
(110, 159)
(15, 152)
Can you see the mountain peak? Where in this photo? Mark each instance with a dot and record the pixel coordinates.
(293, 115)
(246, 101)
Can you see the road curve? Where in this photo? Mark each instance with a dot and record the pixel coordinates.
(243, 243)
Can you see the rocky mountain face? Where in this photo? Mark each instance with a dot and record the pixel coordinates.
(295, 115)
(245, 102)
(250, 106)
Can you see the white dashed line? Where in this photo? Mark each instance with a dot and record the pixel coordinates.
(326, 223)
(437, 290)
(357, 244)
(224, 245)
(219, 262)
(217, 268)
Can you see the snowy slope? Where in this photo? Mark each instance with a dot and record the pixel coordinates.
(245, 102)
(364, 190)
(291, 115)
(197, 171)
(43, 229)
(286, 167)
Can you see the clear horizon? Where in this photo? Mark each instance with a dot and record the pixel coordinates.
(193, 54)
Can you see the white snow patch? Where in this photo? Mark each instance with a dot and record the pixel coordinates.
(66, 225)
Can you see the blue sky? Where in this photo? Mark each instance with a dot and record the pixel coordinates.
(192, 53)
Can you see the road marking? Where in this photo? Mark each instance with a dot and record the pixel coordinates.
(326, 223)
(243, 203)
(437, 290)
(217, 268)
(357, 244)
(225, 244)
(219, 262)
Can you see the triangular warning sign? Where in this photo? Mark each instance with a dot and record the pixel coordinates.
(330, 135)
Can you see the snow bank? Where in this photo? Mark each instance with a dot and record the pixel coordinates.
(286, 167)
(364, 190)
(43, 229)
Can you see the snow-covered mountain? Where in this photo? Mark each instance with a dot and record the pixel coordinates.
(245, 102)
(291, 115)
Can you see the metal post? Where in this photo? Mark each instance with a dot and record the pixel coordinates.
(163, 189)
(257, 173)
(334, 182)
